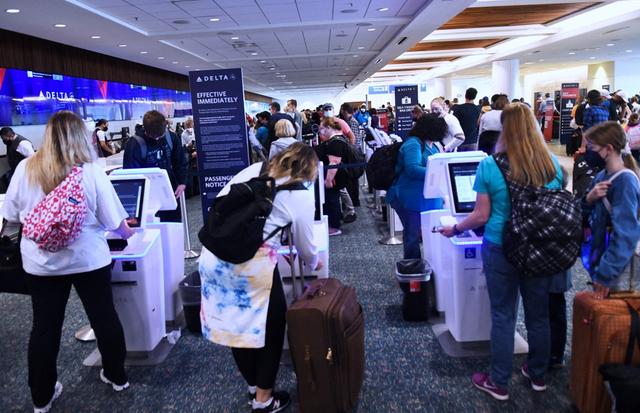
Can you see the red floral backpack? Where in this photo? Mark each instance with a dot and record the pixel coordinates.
(56, 221)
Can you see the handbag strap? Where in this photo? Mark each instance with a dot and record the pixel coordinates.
(634, 334)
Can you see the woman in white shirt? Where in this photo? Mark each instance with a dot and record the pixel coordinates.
(252, 320)
(85, 263)
(285, 136)
(491, 126)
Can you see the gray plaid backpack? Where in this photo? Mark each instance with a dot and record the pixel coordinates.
(544, 232)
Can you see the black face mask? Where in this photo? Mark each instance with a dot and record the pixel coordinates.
(6, 142)
(593, 159)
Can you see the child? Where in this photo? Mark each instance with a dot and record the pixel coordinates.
(633, 135)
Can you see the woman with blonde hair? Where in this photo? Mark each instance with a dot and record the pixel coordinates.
(285, 136)
(519, 139)
(253, 325)
(84, 264)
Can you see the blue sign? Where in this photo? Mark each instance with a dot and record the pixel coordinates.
(220, 127)
(30, 98)
(378, 90)
(406, 99)
(469, 253)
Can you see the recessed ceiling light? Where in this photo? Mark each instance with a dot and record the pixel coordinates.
(610, 44)
(174, 62)
(95, 37)
(59, 25)
(254, 54)
(12, 11)
(214, 19)
(235, 38)
(272, 68)
(360, 47)
(187, 66)
(628, 50)
(572, 52)
(122, 45)
(355, 55)
(540, 60)
(144, 52)
(383, 9)
(592, 57)
(263, 61)
(277, 73)
(160, 57)
(372, 29)
(528, 63)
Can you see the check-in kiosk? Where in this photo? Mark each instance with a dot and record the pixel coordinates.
(461, 287)
(162, 198)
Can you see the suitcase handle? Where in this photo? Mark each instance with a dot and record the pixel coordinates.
(293, 269)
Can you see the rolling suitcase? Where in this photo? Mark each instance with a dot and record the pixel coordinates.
(600, 336)
(326, 340)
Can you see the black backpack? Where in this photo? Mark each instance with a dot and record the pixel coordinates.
(235, 224)
(354, 163)
(544, 232)
(381, 168)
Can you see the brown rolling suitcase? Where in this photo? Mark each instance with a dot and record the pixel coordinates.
(326, 340)
(600, 335)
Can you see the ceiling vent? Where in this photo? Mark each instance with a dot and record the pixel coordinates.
(363, 24)
(181, 22)
(243, 45)
(349, 11)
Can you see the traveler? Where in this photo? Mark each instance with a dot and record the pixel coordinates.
(417, 112)
(618, 108)
(490, 125)
(392, 119)
(327, 132)
(611, 206)
(375, 119)
(485, 105)
(596, 112)
(632, 130)
(353, 189)
(292, 110)
(635, 104)
(406, 193)
(85, 263)
(331, 152)
(18, 148)
(468, 114)
(363, 117)
(346, 114)
(455, 134)
(520, 137)
(254, 325)
(158, 147)
(285, 134)
(262, 129)
(276, 115)
(103, 149)
(187, 134)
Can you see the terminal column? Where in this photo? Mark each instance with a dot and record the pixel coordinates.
(504, 76)
(442, 86)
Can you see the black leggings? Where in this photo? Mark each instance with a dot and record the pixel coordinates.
(259, 366)
(49, 296)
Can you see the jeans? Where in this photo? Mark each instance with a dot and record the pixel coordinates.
(411, 232)
(49, 295)
(332, 207)
(558, 326)
(259, 366)
(347, 203)
(503, 283)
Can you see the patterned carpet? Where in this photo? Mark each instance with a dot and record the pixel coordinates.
(406, 371)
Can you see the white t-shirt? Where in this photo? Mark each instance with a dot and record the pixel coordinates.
(455, 134)
(102, 135)
(187, 136)
(25, 148)
(90, 251)
(491, 121)
(297, 207)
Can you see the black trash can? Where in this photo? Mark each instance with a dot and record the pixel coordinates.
(414, 278)
(191, 296)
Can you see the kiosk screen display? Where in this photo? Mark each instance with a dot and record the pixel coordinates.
(463, 176)
(131, 193)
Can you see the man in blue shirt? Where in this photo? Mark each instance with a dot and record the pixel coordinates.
(596, 112)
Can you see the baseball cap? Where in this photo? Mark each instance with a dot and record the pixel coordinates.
(605, 93)
(621, 93)
(327, 106)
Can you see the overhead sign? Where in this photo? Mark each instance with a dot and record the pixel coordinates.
(406, 99)
(220, 127)
(568, 99)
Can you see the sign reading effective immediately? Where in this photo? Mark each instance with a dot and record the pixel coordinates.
(406, 99)
(568, 99)
(220, 127)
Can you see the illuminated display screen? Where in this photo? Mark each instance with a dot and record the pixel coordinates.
(30, 98)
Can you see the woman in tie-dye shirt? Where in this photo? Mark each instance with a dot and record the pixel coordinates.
(243, 305)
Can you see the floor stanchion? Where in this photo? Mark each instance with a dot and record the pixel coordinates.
(188, 252)
(392, 239)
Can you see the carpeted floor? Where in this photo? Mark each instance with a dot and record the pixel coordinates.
(406, 369)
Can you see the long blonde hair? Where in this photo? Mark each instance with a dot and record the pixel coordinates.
(530, 161)
(66, 143)
(298, 161)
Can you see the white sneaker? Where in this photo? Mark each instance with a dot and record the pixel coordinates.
(116, 387)
(57, 391)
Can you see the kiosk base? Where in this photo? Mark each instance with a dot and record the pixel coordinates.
(135, 358)
(457, 349)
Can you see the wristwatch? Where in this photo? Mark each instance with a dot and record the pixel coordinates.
(455, 230)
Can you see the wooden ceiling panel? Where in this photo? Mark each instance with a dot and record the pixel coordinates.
(474, 17)
(427, 60)
(407, 70)
(455, 44)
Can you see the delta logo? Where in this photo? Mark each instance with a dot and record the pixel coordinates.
(215, 78)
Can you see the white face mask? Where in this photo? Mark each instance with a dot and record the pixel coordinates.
(363, 110)
(328, 114)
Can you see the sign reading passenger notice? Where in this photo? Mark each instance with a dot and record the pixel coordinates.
(568, 99)
(219, 124)
(406, 99)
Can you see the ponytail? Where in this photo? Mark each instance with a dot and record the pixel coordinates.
(630, 163)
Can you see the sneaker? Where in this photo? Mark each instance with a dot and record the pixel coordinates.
(116, 387)
(57, 391)
(334, 231)
(280, 400)
(538, 384)
(350, 218)
(484, 383)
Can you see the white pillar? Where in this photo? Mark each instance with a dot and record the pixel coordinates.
(448, 88)
(439, 87)
(505, 77)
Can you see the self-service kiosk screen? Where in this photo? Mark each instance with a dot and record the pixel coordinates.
(130, 192)
(463, 176)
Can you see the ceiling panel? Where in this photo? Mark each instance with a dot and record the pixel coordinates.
(314, 11)
(426, 60)
(411, 7)
(451, 45)
(475, 17)
(292, 41)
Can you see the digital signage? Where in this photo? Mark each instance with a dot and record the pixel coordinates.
(30, 98)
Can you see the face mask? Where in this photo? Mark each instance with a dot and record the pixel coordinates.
(437, 110)
(328, 114)
(593, 159)
(105, 129)
(6, 141)
(363, 110)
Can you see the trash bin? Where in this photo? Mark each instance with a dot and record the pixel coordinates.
(191, 296)
(414, 278)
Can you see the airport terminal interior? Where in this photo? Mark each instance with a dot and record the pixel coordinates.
(229, 84)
